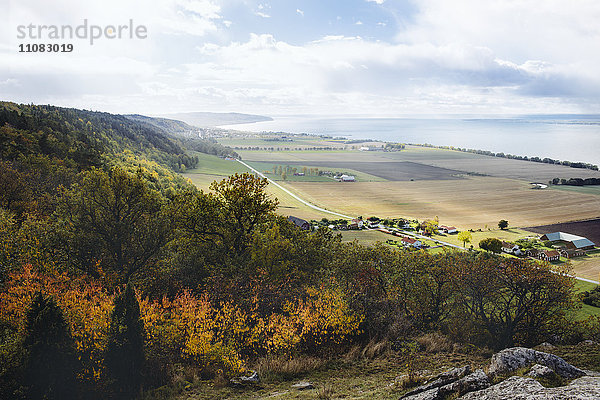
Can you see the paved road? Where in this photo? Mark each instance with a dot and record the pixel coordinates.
(293, 195)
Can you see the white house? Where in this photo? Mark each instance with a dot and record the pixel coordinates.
(511, 248)
(411, 242)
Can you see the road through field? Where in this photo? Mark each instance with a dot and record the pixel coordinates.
(292, 194)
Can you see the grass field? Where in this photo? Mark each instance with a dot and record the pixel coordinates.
(585, 311)
(361, 176)
(510, 235)
(365, 236)
(213, 165)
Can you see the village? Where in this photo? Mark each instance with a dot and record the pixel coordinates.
(554, 247)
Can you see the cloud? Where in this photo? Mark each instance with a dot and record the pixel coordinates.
(358, 22)
(376, 1)
(460, 56)
(299, 11)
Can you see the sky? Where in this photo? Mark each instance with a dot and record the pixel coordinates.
(317, 57)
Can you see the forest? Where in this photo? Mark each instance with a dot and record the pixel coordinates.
(116, 273)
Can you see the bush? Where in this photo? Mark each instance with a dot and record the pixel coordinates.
(592, 297)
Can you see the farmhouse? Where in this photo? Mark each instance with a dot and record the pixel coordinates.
(447, 229)
(511, 248)
(410, 242)
(571, 241)
(299, 222)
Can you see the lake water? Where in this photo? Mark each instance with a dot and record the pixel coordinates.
(563, 137)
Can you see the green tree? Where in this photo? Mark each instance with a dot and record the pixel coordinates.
(124, 355)
(503, 224)
(50, 363)
(512, 301)
(114, 220)
(465, 237)
(491, 244)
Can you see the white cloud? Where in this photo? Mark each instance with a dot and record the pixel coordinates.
(376, 1)
(299, 11)
(358, 22)
(460, 56)
(262, 14)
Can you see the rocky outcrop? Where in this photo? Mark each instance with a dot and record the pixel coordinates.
(540, 371)
(509, 360)
(519, 388)
(474, 381)
(442, 379)
(243, 381)
(303, 386)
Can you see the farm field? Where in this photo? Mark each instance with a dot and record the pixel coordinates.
(587, 266)
(386, 170)
(267, 168)
(595, 190)
(467, 163)
(469, 203)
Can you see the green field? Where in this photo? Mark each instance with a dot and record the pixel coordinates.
(585, 311)
(213, 165)
(594, 190)
(509, 235)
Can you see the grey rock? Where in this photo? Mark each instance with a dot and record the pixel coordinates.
(509, 360)
(441, 380)
(519, 388)
(431, 394)
(540, 371)
(510, 388)
(587, 343)
(303, 386)
(242, 381)
(476, 381)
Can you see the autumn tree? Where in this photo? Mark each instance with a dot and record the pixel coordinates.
(244, 204)
(465, 237)
(124, 357)
(50, 364)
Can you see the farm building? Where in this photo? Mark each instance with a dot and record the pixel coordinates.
(299, 222)
(549, 255)
(570, 253)
(347, 178)
(571, 241)
(511, 248)
(410, 242)
(447, 229)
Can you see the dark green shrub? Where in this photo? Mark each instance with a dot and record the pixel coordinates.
(124, 358)
(50, 361)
